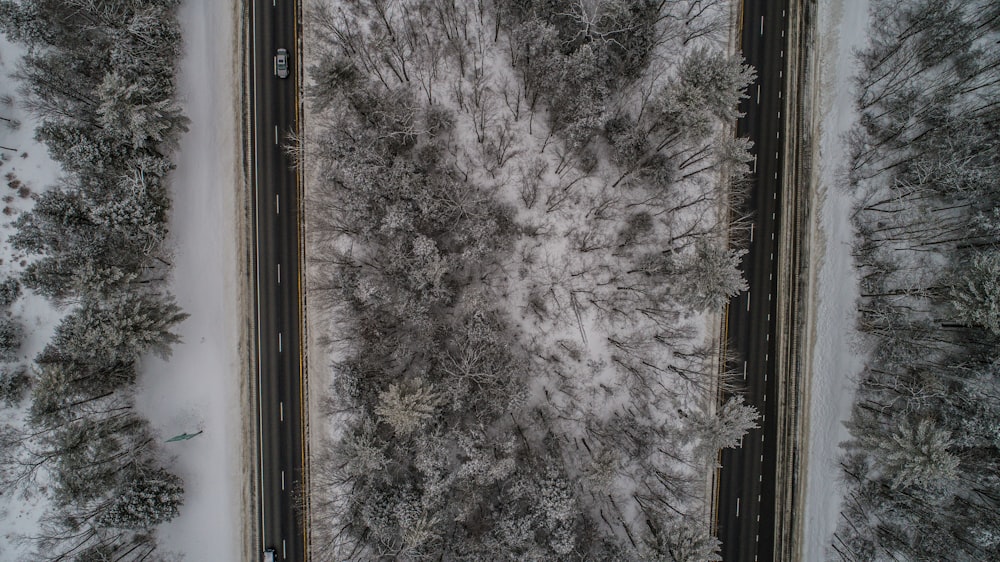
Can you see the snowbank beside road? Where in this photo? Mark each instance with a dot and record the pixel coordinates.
(198, 388)
(842, 26)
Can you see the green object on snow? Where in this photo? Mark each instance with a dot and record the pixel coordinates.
(184, 436)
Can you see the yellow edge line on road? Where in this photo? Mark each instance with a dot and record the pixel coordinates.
(723, 348)
(739, 21)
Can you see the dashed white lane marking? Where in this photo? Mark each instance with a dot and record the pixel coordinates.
(279, 274)
(279, 342)
(762, 25)
(277, 204)
(275, 134)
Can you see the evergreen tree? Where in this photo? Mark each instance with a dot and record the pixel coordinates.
(10, 290)
(135, 116)
(10, 338)
(14, 381)
(121, 328)
(976, 293)
(146, 497)
(681, 540)
(914, 454)
(722, 429)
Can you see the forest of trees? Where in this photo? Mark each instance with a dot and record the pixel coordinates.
(518, 229)
(922, 467)
(99, 78)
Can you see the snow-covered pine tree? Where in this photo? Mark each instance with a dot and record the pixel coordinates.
(976, 291)
(145, 497)
(121, 328)
(680, 540)
(10, 338)
(722, 429)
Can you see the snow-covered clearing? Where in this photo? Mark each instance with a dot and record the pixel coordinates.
(836, 359)
(198, 389)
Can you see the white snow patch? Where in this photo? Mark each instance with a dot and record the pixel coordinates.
(198, 388)
(843, 27)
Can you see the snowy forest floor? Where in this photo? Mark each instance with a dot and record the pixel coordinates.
(25, 170)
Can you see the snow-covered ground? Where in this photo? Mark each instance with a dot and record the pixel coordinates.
(25, 170)
(836, 355)
(198, 389)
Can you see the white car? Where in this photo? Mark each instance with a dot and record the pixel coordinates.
(281, 63)
(269, 554)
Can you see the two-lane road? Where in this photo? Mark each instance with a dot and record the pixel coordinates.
(746, 508)
(275, 197)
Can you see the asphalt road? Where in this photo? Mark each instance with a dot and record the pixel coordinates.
(746, 508)
(275, 198)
